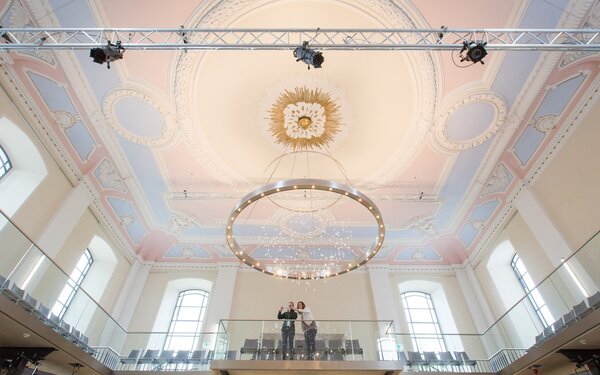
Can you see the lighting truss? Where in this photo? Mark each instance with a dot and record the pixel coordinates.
(286, 39)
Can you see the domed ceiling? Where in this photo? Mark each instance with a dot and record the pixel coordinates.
(169, 141)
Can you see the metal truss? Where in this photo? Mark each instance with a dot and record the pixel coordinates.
(285, 39)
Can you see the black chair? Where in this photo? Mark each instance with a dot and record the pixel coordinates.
(548, 332)
(75, 337)
(14, 293)
(464, 359)
(165, 357)
(196, 357)
(431, 359)
(353, 347)
(53, 321)
(558, 326)
(415, 359)
(182, 356)
(231, 354)
(267, 349)
(447, 359)
(581, 309)
(539, 339)
(132, 358)
(320, 350)
(64, 328)
(250, 347)
(594, 300)
(569, 318)
(149, 357)
(28, 303)
(336, 346)
(42, 312)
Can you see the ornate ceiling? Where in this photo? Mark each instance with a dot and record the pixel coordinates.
(169, 141)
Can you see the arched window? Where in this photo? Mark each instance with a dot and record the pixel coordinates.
(187, 319)
(5, 164)
(73, 284)
(534, 296)
(423, 323)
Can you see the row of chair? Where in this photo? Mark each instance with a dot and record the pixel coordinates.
(577, 312)
(160, 358)
(431, 359)
(334, 349)
(31, 305)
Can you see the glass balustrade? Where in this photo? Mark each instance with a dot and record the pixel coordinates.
(35, 282)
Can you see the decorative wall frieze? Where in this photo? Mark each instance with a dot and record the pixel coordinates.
(427, 226)
(498, 181)
(108, 177)
(179, 222)
(64, 119)
(544, 124)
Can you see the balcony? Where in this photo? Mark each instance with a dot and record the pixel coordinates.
(88, 335)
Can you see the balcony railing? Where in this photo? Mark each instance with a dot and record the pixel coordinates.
(31, 279)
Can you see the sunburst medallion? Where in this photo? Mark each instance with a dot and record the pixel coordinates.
(304, 118)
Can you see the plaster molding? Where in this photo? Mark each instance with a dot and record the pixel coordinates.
(389, 13)
(569, 124)
(500, 107)
(64, 119)
(498, 181)
(544, 124)
(108, 177)
(179, 222)
(114, 96)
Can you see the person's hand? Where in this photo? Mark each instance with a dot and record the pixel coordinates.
(281, 309)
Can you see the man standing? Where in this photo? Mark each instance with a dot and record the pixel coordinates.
(288, 330)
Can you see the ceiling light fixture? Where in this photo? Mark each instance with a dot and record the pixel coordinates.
(309, 56)
(107, 54)
(307, 222)
(305, 248)
(473, 51)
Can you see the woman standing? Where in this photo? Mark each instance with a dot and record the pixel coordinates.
(309, 327)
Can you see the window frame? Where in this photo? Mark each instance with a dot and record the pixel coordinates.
(536, 300)
(419, 337)
(73, 283)
(172, 334)
(5, 164)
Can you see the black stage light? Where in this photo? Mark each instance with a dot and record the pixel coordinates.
(107, 54)
(475, 51)
(309, 56)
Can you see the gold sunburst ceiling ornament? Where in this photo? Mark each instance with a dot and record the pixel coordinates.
(304, 118)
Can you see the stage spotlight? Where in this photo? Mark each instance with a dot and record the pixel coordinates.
(309, 56)
(473, 51)
(107, 54)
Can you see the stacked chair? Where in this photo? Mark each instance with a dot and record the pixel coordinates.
(11, 291)
(578, 311)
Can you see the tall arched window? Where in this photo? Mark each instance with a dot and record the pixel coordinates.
(423, 323)
(534, 296)
(5, 164)
(187, 319)
(73, 284)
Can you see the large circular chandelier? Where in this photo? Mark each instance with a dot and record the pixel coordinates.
(308, 251)
(305, 228)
